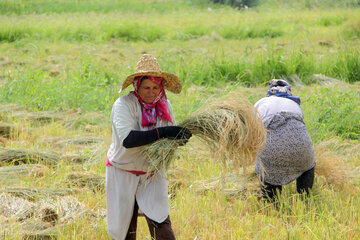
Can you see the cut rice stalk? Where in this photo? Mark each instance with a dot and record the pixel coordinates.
(231, 128)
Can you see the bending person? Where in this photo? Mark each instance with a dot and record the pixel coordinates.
(288, 153)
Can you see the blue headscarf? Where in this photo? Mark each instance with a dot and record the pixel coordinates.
(281, 88)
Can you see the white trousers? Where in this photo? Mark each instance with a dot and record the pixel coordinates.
(122, 188)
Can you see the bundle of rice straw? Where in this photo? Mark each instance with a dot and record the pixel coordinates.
(230, 127)
(19, 156)
(231, 184)
(331, 166)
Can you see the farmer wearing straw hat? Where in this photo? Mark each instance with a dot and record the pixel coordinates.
(139, 118)
(288, 154)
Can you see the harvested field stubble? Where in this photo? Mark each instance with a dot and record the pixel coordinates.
(34, 194)
(38, 218)
(8, 108)
(231, 185)
(21, 156)
(11, 175)
(63, 142)
(5, 129)
(86, 179)
(333, 167)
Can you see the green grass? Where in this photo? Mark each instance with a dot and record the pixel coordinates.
(91, 84)
(68, 6)
(308, 4)
(185, 25)
(159, 6)
(331, 112)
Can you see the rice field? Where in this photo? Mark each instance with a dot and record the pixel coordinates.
(63, 62)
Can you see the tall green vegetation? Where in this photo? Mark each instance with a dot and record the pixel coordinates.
(176, 26)
(20, 7)
(65, 54)
(303, 4)
(68, 6)
(310, 4)
(92, 86)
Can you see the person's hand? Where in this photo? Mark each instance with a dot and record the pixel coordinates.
(175, 133)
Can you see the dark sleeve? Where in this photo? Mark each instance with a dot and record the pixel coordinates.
(140, 138)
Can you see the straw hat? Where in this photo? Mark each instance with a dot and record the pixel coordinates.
(148, 66)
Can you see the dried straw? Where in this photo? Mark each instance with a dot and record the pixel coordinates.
(67, 209)
(38, 218)
(68, 141)
(11, 108)
(18, 207)
(3, 141)
(18, 156)
(160, 154)
(24, 156)
(230, 127)
(331, 166)
(35, 229)
(11, 175)
(231, 184)
(86, 179)
(5, 129)
(38, 117)
(33, 194)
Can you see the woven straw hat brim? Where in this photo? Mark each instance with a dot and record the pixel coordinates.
(171, 81)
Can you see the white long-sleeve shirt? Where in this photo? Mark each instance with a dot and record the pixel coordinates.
(126, 115)
(271, 105)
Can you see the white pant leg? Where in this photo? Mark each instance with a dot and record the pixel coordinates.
(152, 197)
(120, 199)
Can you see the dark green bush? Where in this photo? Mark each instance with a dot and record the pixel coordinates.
(237, 3)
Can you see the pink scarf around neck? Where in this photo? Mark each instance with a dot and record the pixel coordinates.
(150, 111)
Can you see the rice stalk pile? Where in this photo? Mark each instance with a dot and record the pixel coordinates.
(8, 108)
(34, 194)
(230, 127)
(63, 142)
(12, 174)
(38, 117)
(19, 208)
(5, 129)
(59, 210)
(231, 184)
(331, 166)
(67, 208)
(19, 156)
(85, 179)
